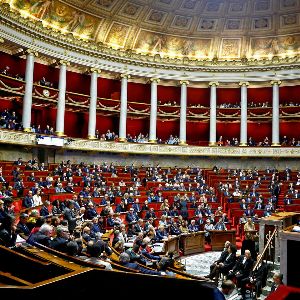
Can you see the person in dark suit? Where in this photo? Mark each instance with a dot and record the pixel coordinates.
(228, 262)
(61, 240)
(125, 261)
(258, 278)
(216, 263)
(44, 211)
(70, 216)
(28, 200)
(42, 236)
(242, 268)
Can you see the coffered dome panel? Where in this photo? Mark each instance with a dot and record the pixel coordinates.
(197, 29)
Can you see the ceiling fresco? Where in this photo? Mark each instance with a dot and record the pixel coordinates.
(197, 29)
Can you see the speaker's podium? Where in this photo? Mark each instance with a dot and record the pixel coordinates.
(219, 237)
(279, 221)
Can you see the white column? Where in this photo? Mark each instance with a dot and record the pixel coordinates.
(213, 114)
(243, 133)
(153, 110)
(183, 105)
(275, 113)
(27, 100)
(93, 104)
(123, 109)
(61, 101)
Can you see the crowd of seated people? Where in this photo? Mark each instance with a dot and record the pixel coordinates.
(252, 143)
(75, 225)
(10, 120)
(167, 103)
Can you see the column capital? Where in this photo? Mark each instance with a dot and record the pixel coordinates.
(182, 82)
(127, 76)
(243, 83)
(157, 80)
(30, 51)
(95, 70)
(213, 83)
(275, 82)
(64, 62)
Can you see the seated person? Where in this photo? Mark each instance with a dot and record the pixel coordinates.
(229, 261)
(216, 263)
(220, 225)
(95, 252)
(193, 227)
(124, 259)
(258, 278)
(242, 268)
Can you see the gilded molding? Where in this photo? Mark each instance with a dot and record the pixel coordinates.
(28, 139)
(37, 31)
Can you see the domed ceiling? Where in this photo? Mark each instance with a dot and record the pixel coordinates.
(198, 29)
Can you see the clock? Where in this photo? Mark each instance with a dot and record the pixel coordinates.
(46, 93)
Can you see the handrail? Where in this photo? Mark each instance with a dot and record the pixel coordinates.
(265, 249)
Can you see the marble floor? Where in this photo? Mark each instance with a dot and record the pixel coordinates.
(199, 264)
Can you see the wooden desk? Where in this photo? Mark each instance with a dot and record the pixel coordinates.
(219, 237)
(192, 242)
(172, 245)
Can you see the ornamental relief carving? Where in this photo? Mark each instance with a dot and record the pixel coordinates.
(91, 27)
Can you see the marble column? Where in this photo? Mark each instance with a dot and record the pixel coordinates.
(123, 108)
(93, 104)
(275, 113)
(183, 105)
(244, 107)
(153, 110)
(27, 100)
(213, 114)
(61, 101)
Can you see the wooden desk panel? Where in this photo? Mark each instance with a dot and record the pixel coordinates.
(219, 237)
(192, 243)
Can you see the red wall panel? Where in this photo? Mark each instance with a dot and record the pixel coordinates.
(78, 83)
(291, 129)
(228, 95)
(228, 130)
(198, 96)
(138, 92)
(108, 86)
(166, 128)
(197, 132)
(17, 65)
(168, 93)
(103, 123)
(260, 95)
(136, 126)
(259, 130)
(289, 93)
